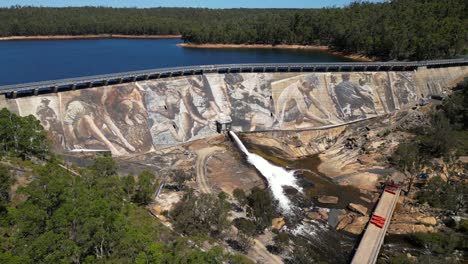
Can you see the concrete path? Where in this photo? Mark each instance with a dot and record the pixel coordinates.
(369, 247)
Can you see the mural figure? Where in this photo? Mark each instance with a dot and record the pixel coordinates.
(350, 97)
(182, 109)
(382, 85)
(199, 102)
(46, 114)
(293, 105)
(250, 102)
(163, 105)
(86, 119)
(124, 104)
(49, 120)
(403, 88)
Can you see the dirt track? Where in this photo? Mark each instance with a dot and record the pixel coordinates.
(202, 156)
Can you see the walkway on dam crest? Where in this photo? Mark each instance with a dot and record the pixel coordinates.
(53, 86)
(373, 238)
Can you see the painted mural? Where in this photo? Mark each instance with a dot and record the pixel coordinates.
(139, 117)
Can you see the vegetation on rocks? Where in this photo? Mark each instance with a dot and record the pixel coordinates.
(435, 147)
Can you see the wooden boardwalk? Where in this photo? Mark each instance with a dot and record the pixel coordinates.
(369, 247)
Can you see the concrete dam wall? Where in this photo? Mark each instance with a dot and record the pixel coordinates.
(149, 115)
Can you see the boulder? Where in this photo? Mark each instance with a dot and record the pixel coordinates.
(314, 215)
(357, 226)
(328, 199)
(344, 220)
(358, 208)
(415, 218)
(323, 213)
(365, 199)
(404, 229)
(278, 223)
(428, 220)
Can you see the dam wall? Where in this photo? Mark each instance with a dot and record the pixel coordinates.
(148, 115)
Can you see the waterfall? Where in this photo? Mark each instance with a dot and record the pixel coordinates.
(277, 177)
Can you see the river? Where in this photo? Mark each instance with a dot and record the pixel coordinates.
(38, 60)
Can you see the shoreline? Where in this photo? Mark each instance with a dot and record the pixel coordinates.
(327, 49)
(96, 36)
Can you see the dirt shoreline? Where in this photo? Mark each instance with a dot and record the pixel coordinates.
(356, 57)
(97, 36)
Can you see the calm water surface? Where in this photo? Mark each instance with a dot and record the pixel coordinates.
(38, 60)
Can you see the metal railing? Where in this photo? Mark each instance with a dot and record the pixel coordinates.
(36, 88)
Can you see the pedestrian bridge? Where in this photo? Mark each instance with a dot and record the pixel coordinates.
(374, 235)
(53, 86)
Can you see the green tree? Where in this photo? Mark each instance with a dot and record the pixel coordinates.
(145, 187)
(240, 196)
(200, 214)
(410, 160)
(22, 136)
(262, 207)
(5, 185)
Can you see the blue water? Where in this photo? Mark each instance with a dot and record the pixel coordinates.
(38, 60)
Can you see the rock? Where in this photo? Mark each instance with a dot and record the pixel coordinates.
(328, 199)
(357, 226)
(358, 208)
(344, 221)
(414, 218)
(323, 213)
(411, 257)
(278, 223)
(428, 220)
(158, 209)
(365, 199)
(314, 215)
(404, 229)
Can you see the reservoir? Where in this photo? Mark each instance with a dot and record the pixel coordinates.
(25, 61)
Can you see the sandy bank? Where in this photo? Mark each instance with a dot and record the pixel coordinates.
(98, 36)
(356, 57)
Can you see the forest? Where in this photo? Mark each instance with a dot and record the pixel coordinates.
(390, 30)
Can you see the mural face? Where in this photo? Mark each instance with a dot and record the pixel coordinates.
(134, 118)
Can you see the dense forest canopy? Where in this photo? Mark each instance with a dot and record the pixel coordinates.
(399, 29)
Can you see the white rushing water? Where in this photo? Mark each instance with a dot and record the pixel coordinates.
(277, 177)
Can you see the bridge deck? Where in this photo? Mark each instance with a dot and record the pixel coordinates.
(369, 247)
